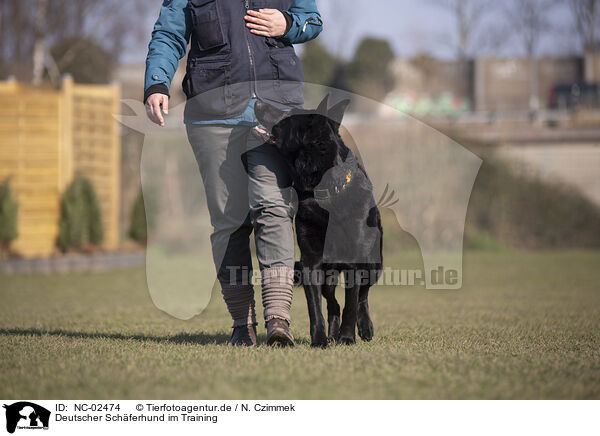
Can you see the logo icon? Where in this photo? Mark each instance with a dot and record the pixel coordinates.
(26, 415)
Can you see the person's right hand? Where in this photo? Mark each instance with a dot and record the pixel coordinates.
(155, 106)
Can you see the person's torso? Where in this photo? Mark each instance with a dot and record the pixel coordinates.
(228, 65)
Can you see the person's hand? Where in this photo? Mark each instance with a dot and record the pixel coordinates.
(266, 22)
(155, 106)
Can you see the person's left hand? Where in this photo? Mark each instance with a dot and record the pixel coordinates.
(266, 22)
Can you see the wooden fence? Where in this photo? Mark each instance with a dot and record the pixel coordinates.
(46, 137)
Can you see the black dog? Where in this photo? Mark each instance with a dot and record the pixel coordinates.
(338, 225)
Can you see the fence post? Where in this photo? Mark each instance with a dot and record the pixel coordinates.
(65, 145)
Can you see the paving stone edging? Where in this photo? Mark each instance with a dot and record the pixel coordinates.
(73, 263)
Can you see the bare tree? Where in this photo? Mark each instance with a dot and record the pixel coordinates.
(29, 29)
(39, 46)
(468, 16)
(16, 45)
(2, 32)
(587, 22)
(529, 21)
(343, 16)
(586, 14)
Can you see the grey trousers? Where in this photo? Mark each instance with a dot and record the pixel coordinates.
(248, 188)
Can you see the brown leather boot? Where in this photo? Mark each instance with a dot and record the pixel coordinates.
(278, 333)
(244, 335)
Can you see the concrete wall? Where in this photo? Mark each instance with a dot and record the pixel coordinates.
(433, 77)
(575, 164)
(592, 67)
(492, 84)
(504, 84)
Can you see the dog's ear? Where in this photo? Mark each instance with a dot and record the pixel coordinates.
(336, 113)
(322, 109)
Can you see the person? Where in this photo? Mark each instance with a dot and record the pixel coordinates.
(240, 52)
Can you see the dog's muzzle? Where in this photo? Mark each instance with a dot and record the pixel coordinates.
(261, 133)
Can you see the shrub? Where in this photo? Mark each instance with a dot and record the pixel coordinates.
(481, 240)
(138, 228)
(80, 218)
(8, 217)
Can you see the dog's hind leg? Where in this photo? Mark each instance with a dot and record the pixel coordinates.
(364, 323)
(333, 311)
(349, 315)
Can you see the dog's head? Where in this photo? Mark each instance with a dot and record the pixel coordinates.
(309, 140)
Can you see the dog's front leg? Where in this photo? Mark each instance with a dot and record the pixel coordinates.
(312, 289)
(349, 315)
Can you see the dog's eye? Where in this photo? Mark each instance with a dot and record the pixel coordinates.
(276, 131)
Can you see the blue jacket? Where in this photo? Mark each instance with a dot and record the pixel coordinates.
(219, 38)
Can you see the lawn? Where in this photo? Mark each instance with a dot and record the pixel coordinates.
(525, 325)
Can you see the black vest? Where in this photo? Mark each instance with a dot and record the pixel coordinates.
(228, 65)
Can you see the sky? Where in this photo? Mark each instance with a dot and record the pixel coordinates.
(411, 26)
(414, 26)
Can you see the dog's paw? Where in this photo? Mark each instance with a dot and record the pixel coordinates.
(320, 344)
(347, 340)
(319, 341)
(365, 328)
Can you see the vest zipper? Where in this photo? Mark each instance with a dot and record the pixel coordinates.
(311, 20)
(252, 72)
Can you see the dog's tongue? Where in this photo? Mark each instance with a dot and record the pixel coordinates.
(261, 133)
(261, 130)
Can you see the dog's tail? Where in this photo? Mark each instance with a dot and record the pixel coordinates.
(298, 273)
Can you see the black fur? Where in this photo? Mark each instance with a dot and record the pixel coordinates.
(338, 225)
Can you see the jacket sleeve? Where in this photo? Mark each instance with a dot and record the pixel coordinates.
(306, 23)
(168, 45)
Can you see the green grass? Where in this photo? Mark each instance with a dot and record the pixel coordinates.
(525, 325)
